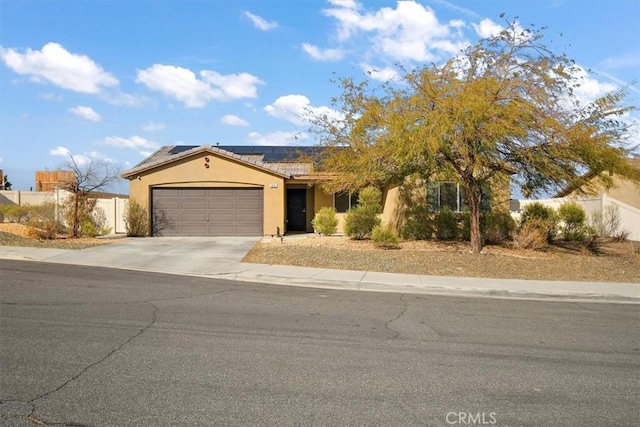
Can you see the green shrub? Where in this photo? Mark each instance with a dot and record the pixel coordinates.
(325, 221)
(573, 221)
(418, 223)
(446, 225)
(384, 237)
(136, 220)
(360, 222)
(540, 213)
(371, 196)
(15, 213)
(496, 227)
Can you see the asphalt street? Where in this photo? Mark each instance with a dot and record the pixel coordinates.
(105, 347)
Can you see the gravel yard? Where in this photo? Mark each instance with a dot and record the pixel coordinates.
(12, 234)
(616, 262)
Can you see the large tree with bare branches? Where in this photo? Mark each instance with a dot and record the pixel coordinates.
(506, 105)
(89, 177)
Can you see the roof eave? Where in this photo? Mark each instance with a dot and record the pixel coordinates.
(198, 150)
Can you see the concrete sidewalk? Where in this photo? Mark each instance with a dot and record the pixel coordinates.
(221, 258)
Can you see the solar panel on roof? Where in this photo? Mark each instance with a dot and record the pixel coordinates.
(181, 149)
(274, 157)
(238, 149)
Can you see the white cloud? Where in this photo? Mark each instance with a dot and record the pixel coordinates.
(297, 109)
(120, 98)
(135, 142)
(346, 4)
(57, 65)
(183, 84)
(589, 89)
(86, 113)
(59, 151)
(233, 86)
(411, 31)
(153, 127)
(456, 8)
(278, 138)
(51, 97)
(322, 55)
(232, 120)
(260, 23)
(383, 74)
(487, 28)
(623, 61)
(79, 159)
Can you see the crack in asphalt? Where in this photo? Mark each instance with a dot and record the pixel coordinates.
(31, 402)
(405, 306)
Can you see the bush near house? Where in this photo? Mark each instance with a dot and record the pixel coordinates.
(360, 221)
(573, 221)
(325, 222)
(446, 225)
(543, 219)
(384, 237)
(136, 220)
(418, 223)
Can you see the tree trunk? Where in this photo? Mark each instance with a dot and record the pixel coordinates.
(474, 198)
(76, 215)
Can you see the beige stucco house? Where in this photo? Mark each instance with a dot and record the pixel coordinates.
(623, 190)
(227, 190)
(240, 190)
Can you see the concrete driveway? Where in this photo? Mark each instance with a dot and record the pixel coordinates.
(193, 255)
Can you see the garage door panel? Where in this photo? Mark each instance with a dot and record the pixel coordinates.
(169, 204)
(194, 204)
(199, 229)
(246, 217)
(209, 211)
(193, 216)
(169, 192)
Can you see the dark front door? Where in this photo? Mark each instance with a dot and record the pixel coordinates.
(296, 209)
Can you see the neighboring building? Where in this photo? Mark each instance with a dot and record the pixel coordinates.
(622, 200)
(50, 180)
(623, 190)
(243, 190)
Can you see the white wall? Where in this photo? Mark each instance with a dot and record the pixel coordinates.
(629, 216)
(30, 197)
(114, 208)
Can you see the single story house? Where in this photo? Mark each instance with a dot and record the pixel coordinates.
(241, 190)
(623, 190)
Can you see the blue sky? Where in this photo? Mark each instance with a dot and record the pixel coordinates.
(116, 79)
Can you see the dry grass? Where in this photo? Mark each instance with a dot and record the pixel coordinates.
(12, 234)
(615, 262)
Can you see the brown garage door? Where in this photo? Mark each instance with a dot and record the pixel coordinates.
(207, 211)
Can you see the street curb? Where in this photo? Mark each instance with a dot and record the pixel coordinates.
(454, 291)
(369, 286)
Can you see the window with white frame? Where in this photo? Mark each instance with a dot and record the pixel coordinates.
(345, 201)
(452, 196)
